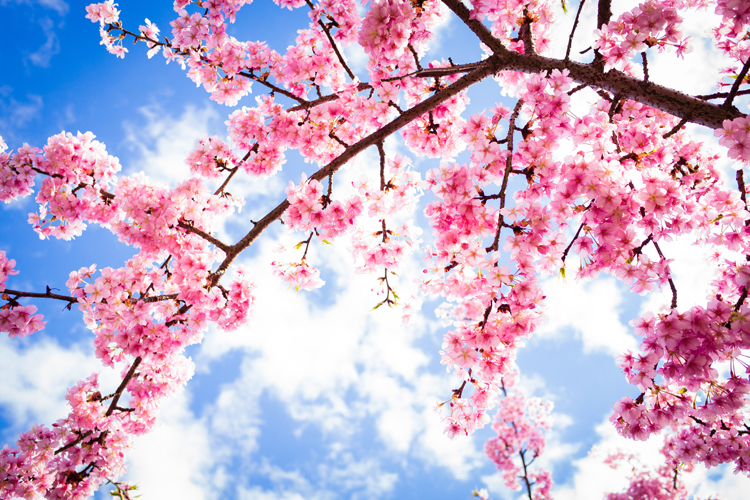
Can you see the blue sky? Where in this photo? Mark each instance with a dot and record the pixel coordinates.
(318, 397)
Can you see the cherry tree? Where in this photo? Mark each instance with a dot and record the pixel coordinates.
(631, 178)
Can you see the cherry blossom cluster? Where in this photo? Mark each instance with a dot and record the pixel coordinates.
(78, 176)
(516, 210)
(298, 275)
(509, 18)
(210, 158)
(649, 24)
(659, 483)
(520, 422)
(730, 34)
(381, 247)
(311, 210)
(16, 319)
(736, 137)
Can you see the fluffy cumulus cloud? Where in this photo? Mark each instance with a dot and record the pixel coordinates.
(161, 141)
(593, 478)
(34, 391)
(590, 309)
(176, 459)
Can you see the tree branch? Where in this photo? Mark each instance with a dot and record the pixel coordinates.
(506, 175)
(570, 245)
(671, 283)
(719, 95)
(616, 82)
(573, 31)
(190, 228)
(736, 87)
(123, 385)
(675, 129)
(525, 473)
(333, 44)
(489, 68)
(47, 295)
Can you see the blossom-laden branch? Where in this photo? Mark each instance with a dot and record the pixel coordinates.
(695, 110)
(630, 177)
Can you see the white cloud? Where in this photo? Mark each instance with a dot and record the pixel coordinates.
(592, 310)
(15, 114)
(175, 459)
(59, 6)
(164, 141)
(34, 391)
(50, 47)
(593, 478)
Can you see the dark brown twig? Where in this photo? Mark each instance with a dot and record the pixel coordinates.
(736, 87)
(573, 31)
(335, 48)
(675, 129)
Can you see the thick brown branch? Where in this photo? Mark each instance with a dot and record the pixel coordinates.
(524, 32)
(616, 82)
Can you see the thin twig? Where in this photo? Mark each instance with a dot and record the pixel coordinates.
(506, 175)
(123, 385)
(525, 476)
(573, 31)
(671, 283)
(333, 43)
(189, 227)
(737, 83)
(381, 152)
(675, 129)
(570, 245)
(719, 95)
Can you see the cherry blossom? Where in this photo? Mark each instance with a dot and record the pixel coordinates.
(513, 195)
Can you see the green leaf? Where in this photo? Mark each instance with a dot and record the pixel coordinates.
(377, 306)
(565, 8)
(327, 242)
